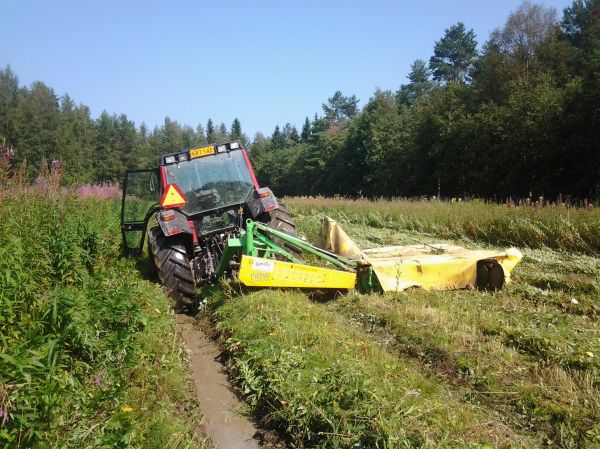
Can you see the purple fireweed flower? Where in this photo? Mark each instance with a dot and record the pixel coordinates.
(99, 378)
(99, 191)
(41, 183)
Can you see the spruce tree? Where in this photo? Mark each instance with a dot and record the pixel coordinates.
(306, 130)
(277, 139)
(210, 131)
(236, 130)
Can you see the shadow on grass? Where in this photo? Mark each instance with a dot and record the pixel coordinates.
(147, 270)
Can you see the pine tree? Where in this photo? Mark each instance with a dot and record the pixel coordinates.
(419, 85)
(339, 107)
(454, 55)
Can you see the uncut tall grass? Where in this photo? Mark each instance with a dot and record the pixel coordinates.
(88, 351)
(555, 227)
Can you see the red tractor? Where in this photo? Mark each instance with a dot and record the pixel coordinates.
(200, 197)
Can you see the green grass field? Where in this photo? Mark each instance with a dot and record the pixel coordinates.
(517, 368)
(90, 357)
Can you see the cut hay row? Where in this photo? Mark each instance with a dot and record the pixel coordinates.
(517, 368)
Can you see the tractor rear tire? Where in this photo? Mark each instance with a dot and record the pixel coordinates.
(173, 266)
(281, 220)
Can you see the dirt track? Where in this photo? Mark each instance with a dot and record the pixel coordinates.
(223, 420)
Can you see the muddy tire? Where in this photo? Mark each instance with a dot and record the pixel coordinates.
(490, 275)
(173, 266)
(281, 220)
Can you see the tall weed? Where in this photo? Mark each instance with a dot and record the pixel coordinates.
(87, 353)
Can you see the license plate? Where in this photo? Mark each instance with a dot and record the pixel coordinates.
(199, 152)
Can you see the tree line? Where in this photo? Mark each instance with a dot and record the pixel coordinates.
(518, 117)
(40, 127)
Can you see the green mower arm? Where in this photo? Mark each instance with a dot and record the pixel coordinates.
(255, 240)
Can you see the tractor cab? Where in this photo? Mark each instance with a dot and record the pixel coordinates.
(195, 191)
(209, 178)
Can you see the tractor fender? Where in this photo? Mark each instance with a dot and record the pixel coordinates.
(262, 200)
(172, 222)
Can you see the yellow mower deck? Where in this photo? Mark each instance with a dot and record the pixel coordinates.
(400, 267)
(431, 267)
(391, 268)
(259, 272)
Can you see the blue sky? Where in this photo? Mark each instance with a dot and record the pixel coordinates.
(265, 62)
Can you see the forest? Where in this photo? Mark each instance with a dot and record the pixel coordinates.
(516, 116)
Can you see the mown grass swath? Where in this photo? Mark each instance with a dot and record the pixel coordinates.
(89, 354)
(516, 368)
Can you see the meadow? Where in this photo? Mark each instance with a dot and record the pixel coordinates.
(91, 357)
(89, 353)
(518, 368)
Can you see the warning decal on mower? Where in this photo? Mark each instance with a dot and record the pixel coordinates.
(258, 272)
(173, 197)
(263, 265)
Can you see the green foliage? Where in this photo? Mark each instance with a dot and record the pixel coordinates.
(454, 55)
(88, 355)
(527, 126)
(518, 121)
(42, 127)
(340, 107)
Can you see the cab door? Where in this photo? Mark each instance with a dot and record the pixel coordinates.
(141, 196)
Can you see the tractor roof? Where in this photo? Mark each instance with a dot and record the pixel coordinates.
(191, 153)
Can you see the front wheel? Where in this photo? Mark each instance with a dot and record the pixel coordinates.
(173, 266)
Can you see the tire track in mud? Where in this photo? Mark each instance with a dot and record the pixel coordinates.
(223, 420)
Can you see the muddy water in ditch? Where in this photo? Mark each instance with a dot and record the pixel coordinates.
(225, 425)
